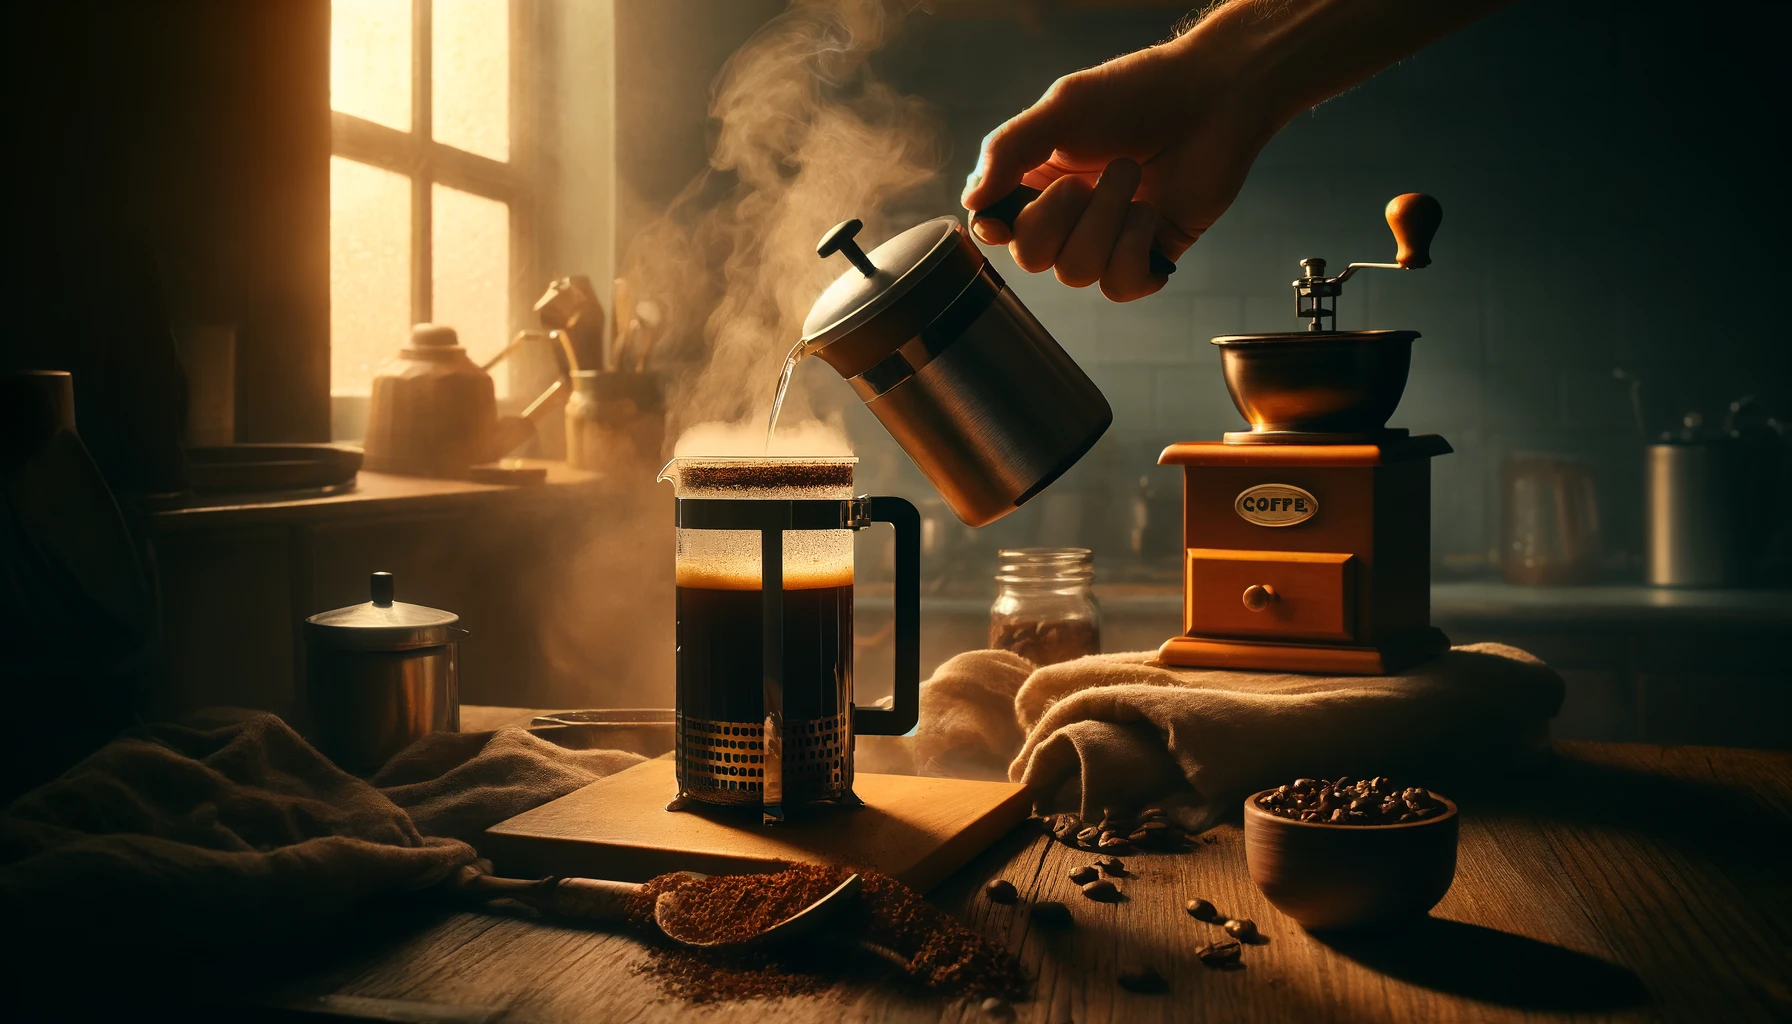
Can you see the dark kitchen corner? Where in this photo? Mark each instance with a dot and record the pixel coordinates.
(391, 479)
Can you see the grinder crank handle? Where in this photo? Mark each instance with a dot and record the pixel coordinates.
(906, 710)
(1009, 206)
(1414, 219)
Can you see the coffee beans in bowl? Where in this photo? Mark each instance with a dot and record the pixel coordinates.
(1350, 853)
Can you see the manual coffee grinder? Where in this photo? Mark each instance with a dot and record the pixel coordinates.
(1307, 538)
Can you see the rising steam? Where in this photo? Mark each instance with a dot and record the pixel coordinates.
(806, 137)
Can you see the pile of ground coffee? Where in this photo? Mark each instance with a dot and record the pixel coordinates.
(937, 953)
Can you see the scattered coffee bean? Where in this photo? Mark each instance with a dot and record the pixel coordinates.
(1102, 890)
(1221, 956)
(1052, 914)
(1141, 979)
(1241, 928)
(1201, 910)
(1111, 865)
(1001, 890)
(1150, 830)
(1376, 801)
(1084, 874)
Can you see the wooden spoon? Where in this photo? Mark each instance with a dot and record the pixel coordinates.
(598, 901)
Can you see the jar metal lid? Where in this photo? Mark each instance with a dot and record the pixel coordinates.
(382, 624)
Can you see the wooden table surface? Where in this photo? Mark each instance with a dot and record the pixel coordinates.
(1624, 882)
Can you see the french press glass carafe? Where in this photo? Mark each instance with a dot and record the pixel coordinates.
(765, 630)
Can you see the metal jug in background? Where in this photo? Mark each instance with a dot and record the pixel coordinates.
(1549, 532)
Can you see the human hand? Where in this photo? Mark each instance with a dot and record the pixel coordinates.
(1144, 152)
(1147, 150)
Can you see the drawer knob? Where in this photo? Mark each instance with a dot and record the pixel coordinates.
(1258, 597)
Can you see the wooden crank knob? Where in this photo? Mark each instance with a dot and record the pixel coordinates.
(1414, 219)
(1259, 596)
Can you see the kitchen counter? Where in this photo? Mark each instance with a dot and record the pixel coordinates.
(1623, 882)
(1642, 664)
(1479, 599)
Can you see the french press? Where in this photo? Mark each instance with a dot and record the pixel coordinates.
(765, 630)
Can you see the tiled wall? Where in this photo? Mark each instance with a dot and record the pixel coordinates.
(1608, 201)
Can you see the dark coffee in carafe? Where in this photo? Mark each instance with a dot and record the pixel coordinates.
(722, 711)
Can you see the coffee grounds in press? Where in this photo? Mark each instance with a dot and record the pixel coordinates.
(941, 955)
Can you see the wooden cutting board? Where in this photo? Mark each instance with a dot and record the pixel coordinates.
(917, 829)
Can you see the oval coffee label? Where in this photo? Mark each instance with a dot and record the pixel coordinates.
(1276, 505)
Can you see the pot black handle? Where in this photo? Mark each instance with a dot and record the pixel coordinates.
(1009, 206)
(899, 719)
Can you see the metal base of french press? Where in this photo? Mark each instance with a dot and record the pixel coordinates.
(770, 814)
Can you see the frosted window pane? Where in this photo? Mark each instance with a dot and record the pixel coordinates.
(471, 264)
(370, 271)
(370, 60)
(470, 65)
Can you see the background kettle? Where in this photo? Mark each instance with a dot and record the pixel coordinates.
(434, 412)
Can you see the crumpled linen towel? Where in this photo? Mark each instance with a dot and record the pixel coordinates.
(234, 836)
(1118, 730)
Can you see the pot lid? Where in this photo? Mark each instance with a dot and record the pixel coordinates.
(383, 624)
(878, 279)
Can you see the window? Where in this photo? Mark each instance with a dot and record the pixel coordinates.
(430, 189)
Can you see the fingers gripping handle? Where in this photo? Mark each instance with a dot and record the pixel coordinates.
(897, 720)
(1009, 206)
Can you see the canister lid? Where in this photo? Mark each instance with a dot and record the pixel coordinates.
(383, 624)
(888, 294)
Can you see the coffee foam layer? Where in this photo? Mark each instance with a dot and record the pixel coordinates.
(707, 578)
(730, 559)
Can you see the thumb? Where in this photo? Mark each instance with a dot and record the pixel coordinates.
(1022, 143)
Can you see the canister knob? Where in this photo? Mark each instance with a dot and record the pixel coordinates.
(381, 585)
(1259, 596)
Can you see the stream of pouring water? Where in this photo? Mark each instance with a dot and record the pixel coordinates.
(790, 361)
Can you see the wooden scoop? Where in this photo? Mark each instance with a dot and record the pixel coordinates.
(602, 902)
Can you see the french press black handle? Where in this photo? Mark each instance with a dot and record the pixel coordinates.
(1009, 206)
(870, 720)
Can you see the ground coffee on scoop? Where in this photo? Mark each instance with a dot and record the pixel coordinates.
(934, 951)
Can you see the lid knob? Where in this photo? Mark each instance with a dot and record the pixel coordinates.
(433, 336)
(381, 586)
(840, 239)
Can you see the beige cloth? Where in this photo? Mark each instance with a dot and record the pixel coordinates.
(177, 838)
(1117, 730)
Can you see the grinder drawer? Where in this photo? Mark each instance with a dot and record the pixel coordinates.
(1282, 595)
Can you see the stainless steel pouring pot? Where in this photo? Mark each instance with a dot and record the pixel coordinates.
(380, 676)
(978, 394)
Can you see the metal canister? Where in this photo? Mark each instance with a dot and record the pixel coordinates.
(1697, 510)
(381, 676)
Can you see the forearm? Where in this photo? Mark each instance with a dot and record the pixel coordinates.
(1285, 56)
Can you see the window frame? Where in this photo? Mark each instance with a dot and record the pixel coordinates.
(426, 162)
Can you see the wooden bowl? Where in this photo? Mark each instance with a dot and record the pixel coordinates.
(1350, 876)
